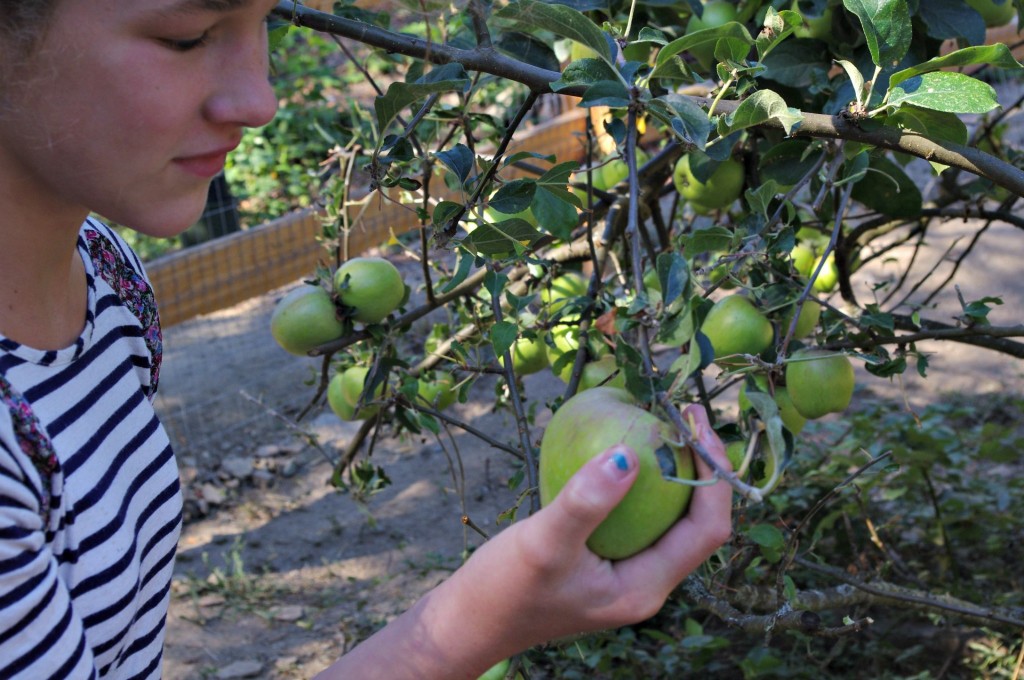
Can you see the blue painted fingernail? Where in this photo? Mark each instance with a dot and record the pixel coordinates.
(620, 461)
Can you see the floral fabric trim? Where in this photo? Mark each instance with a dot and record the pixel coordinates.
(33, 441)
(135, 293)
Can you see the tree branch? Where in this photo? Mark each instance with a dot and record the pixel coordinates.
(539, 80)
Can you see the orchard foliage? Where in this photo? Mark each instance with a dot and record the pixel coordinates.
(835, 115)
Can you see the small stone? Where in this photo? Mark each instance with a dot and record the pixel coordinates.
(292, 612)
(240, 669)
(211, 494)
(289, 469)
(268, 451)
(237, 467)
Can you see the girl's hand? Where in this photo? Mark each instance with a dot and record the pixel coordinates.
(536, 581)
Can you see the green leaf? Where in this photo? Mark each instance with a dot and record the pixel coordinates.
(800, 64)
(735, 35)
(766, 536)
(673, 275)
(887, 189)
(444, 212)
(528, 49)
(788, 161)
(503, 334)
(707, 240)
(504, 238)
(584, 72)
(513, 197)
(447, 78)
(560, 20)
(998, 55)
(945, 91)
(557, 215)
(855, 76)
(935, 125)
(688, 121)
(946, 19)
(466, 259)
(459, 159)
(495, 283)
(605, 93)
(780, 25)
(757, 109)
(887, 29)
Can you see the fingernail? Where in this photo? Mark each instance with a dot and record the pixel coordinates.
(618, 463)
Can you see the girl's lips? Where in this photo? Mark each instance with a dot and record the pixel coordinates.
(206, 166)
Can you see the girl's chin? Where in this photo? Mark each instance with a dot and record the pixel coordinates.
(166, 223)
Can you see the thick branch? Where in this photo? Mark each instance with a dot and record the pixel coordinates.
(989, 337)
(785, 618)
(539, 80)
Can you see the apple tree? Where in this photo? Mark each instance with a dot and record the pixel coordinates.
(747, 169)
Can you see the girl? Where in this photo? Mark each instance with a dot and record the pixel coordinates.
(127, 108)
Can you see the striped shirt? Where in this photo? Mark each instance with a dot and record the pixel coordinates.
(85, 594)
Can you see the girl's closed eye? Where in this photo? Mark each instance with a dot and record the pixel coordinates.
(188, 44)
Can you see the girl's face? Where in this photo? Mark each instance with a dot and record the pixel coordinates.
(128, 107)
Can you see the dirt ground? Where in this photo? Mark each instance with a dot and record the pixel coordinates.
(279, 573)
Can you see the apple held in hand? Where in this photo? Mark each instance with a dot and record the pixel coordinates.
(371, 286)
(819, 382)
(305, 318)
(735, 326)
(587, 425)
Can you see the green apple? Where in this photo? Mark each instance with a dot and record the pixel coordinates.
(566, 340)
(305, 318)
(803, 259)
(336, 399)
(819, 382)
(529, 355)
(791, 418)
(587, 425)
(810, 313)
(716, 13)
(580, 51)
(437, 389)
(372, 286)
(814, 27)
(562, 288)
(595, 373)
(719, 191)
(994, 13)
(828, 277)
(735, 326)
(350, 387)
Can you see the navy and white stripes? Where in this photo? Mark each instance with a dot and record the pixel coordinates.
(87, 595)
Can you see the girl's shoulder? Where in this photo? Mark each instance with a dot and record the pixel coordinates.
(115, 263)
